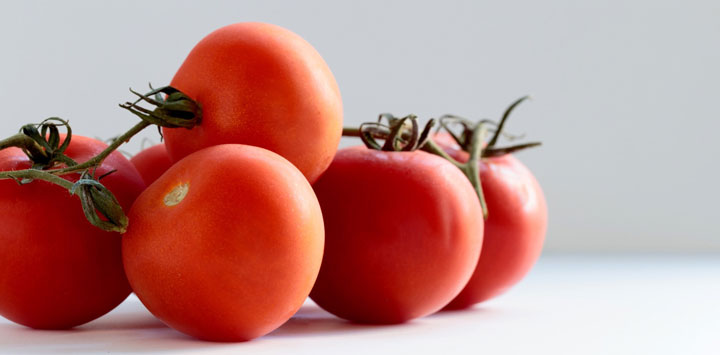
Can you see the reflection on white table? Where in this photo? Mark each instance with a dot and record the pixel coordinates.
(569, 304)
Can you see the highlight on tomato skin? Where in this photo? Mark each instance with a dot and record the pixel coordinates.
(514, 230)
(58, 271)
(263, 85)
(225, 245)
(402, 235)
(152, 162)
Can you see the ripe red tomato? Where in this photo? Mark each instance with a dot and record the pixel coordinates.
(226, 245)
(57, 270)
(514, 230)
(152, 162)
(402, 235)
(261, 85)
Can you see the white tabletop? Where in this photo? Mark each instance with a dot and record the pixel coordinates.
(569, 304)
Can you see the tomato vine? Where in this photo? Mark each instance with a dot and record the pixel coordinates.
(44, 148)
(402, 134)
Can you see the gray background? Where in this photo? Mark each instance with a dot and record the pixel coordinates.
(625, 92)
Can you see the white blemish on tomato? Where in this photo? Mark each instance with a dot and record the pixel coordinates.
(176, 195)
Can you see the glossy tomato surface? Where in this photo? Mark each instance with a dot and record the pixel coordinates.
(402, 235)
(152, 162)
(515, 228)
(57, 270)
(226, 245)
(261, 85)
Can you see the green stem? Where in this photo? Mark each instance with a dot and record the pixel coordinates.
(43, 149)
(21, 140)
(34, 174)
(351, 132)
(471, 168)
(50, 175)
(496, 152)
(501, 125)
(432, 147)
(93, 196)
(66, 160)
(97, 160)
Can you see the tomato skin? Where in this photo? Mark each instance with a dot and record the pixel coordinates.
(57, 270)
(402, 235)
(237, 256)
(515, 228)
(152, 162)
(262, 85)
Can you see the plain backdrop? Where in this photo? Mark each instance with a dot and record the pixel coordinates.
(625, 92)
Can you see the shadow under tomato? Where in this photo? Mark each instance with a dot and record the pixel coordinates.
(124, 337)
(311, 320)
(476, 309)
(132, 330)
(136, 330)
(136, 319)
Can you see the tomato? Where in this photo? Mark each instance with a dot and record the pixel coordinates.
(402, 235)
(152, 162)
(514, 230)
(226, 245)
(261, 85)
(57, 270)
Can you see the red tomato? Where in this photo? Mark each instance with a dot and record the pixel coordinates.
(402, 235)
(57, 270)
(261, 85)
(152, 162)
(514, 230)
(226, 245)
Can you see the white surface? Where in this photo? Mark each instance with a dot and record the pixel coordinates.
(625, 90)
(576, 304)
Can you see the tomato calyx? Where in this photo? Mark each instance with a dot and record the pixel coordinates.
(400, 134)
(43, 146)
(175, 110)
(403, 134)
(96, 198)
(41, 143)
(45, 149)
(490, 150)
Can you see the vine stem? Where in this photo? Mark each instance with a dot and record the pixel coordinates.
(94, 197)
(472, 141)
(351, 132)
(36, 175)
(98, 159)
(471, 168)
(430, 145)
(50, 174)
(41, 143)
(504, 118)
(24, 141)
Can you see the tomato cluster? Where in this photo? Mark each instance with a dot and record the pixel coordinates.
(236, 219)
